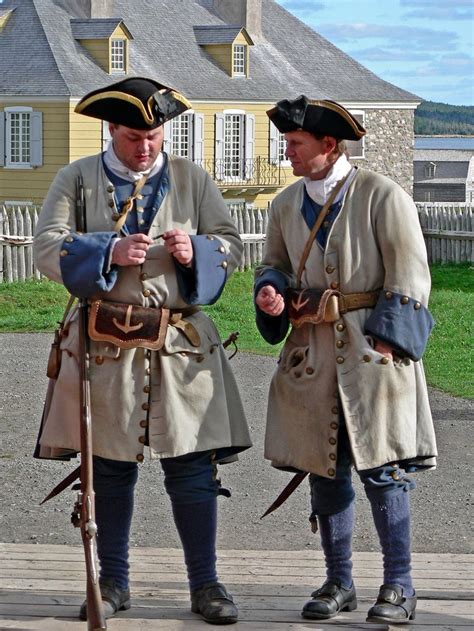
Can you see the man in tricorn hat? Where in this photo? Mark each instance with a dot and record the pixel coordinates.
(345, 265)
(158, 236)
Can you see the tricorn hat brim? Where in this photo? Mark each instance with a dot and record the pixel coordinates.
(321, 118)
(135, 102)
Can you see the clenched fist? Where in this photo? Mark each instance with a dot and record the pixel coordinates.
(270, 301)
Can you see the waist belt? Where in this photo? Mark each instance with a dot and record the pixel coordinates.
(131, 326)
(314, 306)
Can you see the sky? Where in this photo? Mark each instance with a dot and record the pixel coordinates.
(423, 46)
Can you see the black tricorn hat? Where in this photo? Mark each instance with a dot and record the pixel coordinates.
(321, 118)
(135, 102)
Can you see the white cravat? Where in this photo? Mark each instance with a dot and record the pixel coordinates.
(319, 190)
(119, 168)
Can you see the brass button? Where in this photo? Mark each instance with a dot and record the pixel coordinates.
(332, 456)
(145, 406)
(384, 360)
(146, 293)
(309, 370)
(334, 425)
(111, 203)
(330, 269)
(142, 440)
(340, 326)
(224, 264)
(404, 300)
(339, 343)
(332, 441)
(143, 423)
(335, 409)
(340, 360)
(115, 216)
(148, 371)
(69, 239)
(388, 295)
(366, 358)
(110, 188)
(99, 360)
(331, 472)
(210, 237)
(407, 361)
(335, 285)
(63, 253)
(140, 457)
(143, 276)
(146, 389)
(417, 305)
(221, 249)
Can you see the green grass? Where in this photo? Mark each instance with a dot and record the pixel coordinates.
(38, 305)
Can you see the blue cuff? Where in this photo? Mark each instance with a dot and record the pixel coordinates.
(204, 282)
(273, 329)
(84, 263)
(401, 322)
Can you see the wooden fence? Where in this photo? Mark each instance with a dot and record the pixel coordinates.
(448, 230)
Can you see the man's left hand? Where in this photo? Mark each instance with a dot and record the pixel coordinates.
(384, 349)
(178, 243)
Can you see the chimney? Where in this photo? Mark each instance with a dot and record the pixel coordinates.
(99, 8)
(246, 13)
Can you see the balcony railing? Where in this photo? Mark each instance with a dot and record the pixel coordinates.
(259, 172)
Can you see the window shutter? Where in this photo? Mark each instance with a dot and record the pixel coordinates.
(219, 148)
(167, 137)
(36, 131)
(249, 144)
(274, 146)
(2, 138)
(355, 148)
(198, 139)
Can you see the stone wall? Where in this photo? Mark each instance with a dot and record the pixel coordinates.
(389, 145)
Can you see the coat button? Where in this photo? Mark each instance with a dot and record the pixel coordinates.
(335, 409)
(140, 457)
(366, 358)
(331, 472)
(99, 360)
(388, 295)
(143, 423)
(332, 456)
(330, 269)
(417, 305)
(142, 440)
(334, 425)
(404, 300)
(309, 370)
(332, 441)
(407, 361)
(199, 358)
(69, 239)
(224, 264)
(339, 343)
(340, 326)
(145, 406)
(146, 389)
(115, 216)
(210, 237)
(340, 360)
(143, 276)
(335, 285)
(111, 203)
(147, 371)
(384, 360)
(221, 249)
(110, 188)
(63, 253)
(146, 293)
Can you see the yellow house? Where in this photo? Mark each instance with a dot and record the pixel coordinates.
(233, 59)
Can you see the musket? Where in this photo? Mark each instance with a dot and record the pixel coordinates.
(83, 516)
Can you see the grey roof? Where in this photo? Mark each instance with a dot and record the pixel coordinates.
(216, 34)
(165, 48)
(98, 28)
(444, 172)
(444, 155)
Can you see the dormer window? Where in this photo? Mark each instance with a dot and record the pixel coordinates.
(118, 55)
(240, 61)
(430, 169)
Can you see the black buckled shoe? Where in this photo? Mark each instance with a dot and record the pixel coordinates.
(214, 603)
(329, 600)
(113, 599)
(392, 606)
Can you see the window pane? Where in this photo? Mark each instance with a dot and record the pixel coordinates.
(117, 61)
(20, 137)
(239, 60)
(233, 145)
(180, 136)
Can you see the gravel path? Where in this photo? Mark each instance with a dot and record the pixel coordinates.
(442, 503)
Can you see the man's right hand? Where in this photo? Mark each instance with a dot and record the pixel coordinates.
(131, 250)
(270, 301)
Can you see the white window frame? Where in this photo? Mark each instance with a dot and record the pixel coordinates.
(239, 60)
(118, 55)
(361, 143)
(430, 169)
(106, 135)
(181, 135)
(427, 195)
(9, 112)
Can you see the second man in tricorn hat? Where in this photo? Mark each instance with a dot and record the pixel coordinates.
(159, 237)
(345, 265)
